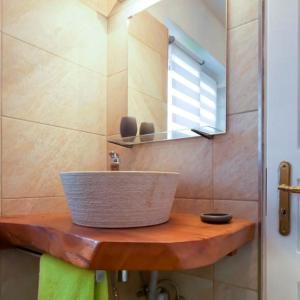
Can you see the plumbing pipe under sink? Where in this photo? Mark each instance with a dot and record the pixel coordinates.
(153, 286)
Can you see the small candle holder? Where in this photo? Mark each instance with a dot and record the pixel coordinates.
(147, 131)
(128, 127)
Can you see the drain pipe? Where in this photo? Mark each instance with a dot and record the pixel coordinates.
(123, 276)
(153, 286)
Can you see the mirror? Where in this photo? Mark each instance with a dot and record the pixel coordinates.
(176, 72)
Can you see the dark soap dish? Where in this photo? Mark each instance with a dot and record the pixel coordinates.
(216, 218)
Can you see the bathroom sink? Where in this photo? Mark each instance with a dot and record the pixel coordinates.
(119, 199)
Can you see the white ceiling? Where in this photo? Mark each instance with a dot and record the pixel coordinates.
(218, 8)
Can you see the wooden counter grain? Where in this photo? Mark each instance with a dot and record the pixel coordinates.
(182, 243)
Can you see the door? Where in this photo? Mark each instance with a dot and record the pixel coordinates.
(282, 253)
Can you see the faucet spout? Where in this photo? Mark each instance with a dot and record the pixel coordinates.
(115, 161)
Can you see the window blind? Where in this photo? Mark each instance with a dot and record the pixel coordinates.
(192, 93)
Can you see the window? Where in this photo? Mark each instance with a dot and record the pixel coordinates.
(192, 99)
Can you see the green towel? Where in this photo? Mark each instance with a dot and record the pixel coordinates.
(62, 281)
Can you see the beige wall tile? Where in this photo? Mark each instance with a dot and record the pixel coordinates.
(235, 158)
(240, 269)
(117, 47)
(240, 209)
(145, 109)
(117, 101)
(132, 7)
(100, 6)
(192, 158)
(205, 272)
(118, 20)
(148, 30)
(34, 154)
(145, 69)
(192, 206)
(243, 68)
(41, 87)
(191, 287)
(104, 7)
(25, 206)
(227, 292)
(19, 272)
(111, 4)
(67, 28)
(241, 12)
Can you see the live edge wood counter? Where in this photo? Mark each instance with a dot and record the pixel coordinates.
(182, 243)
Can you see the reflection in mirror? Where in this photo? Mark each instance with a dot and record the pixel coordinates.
(177, 70)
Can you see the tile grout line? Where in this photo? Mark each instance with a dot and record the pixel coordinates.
(33, 197)
(145, 94)
(242, 112)
(243, 24)
(148, 46)
(238, 200)
(197, 199)
(52, 125)
(53, 54)
(213, 203)
(116, 73)
(207, 199)
(107, 97)
(213, 176)
(237, 286)
(213, 282)
(1, 108)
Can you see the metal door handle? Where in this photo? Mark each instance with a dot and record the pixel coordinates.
(289, 188)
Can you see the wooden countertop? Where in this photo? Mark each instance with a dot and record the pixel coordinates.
(182, 243)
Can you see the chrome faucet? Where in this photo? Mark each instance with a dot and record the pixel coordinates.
(115, 161)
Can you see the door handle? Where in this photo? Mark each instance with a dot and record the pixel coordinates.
(289, 188)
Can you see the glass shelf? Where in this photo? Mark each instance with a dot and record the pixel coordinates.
(129, 142)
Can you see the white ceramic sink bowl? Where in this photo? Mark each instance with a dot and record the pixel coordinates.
(119, 199)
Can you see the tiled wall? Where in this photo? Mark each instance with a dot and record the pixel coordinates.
(54, 77)
(53, 117)
(133, 89)
(221, 174)
(102, 6)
